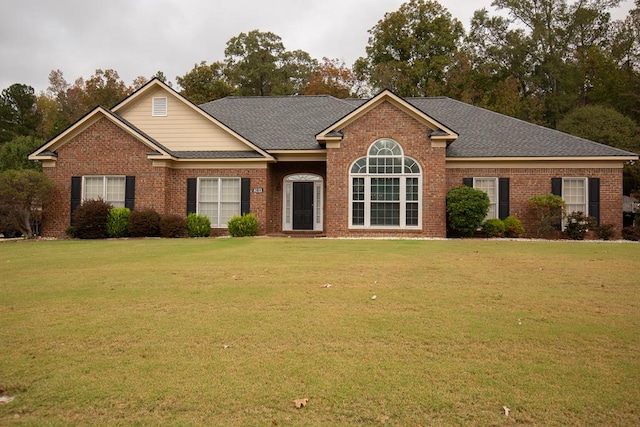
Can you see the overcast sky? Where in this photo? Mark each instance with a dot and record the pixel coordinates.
(141, 37)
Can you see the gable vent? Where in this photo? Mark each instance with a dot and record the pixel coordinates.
(159, 107)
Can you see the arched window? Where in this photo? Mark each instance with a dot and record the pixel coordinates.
(385, 188)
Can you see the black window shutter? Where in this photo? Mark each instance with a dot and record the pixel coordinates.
(76, 194)
(594, 199)
(468, 182)
(556, 186)
(556, 189)
(245, 196)
(130, 192)
(192, 184)
(503, 198)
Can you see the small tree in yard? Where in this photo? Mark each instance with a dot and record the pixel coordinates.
(547, 209)
(467, 208)
(22, 194)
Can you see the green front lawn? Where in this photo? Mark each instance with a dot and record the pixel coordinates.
(231, 331)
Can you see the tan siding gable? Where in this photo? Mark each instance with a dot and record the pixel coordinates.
(183, 129)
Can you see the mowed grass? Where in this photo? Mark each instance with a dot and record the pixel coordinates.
(230, 331)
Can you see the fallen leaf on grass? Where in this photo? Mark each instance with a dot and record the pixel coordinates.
(6, 399)
(300, 402)
(326, 285)
(506, 411)
(374, 297)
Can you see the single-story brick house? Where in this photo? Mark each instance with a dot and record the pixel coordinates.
(321, 165)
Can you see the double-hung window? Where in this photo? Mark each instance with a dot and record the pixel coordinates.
(111, 189)
(385, 188)
(574, 193)
(219, 199)
(489, 186)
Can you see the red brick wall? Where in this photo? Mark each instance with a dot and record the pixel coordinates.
(525, 183)
(105, 149)
(177, 191)
(102, 149)
(386, 121)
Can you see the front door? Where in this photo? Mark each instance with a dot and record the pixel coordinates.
(303, 205)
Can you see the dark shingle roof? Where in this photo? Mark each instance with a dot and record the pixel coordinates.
(279, 123)
(484, 133)
(291, 123)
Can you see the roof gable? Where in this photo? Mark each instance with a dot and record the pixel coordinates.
(438, 131)
(185, 127)
(47, 151)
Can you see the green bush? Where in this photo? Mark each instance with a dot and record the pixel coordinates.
(466, 210)
(604, 231)
(513, 227)
(118, 222)
(243, 226)
(547, 209)
(578, 224)
(493, 228)
(90, 219)
(198, 225)
(173, 226)
(144, 223)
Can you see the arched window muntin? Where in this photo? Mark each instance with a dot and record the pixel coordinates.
(385, 188)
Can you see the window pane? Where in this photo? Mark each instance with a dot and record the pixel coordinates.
(357, 213)
(385, 165)
(385, 213)
(229, 199)
(208, 191)
(230, 190)
(208, 199)
(411, 166)
(93, 188)
(360, 166)
(489, 186)
(574, 194)
(412, 189)
(412, 214)
(358, 189)
(385, 147)
(115, 191)
(385, 189)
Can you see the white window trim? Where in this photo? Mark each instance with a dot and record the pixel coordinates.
(104, 187)
(497, 192)
(219, 180)
(159, 106)
(403, 193)
(318, 200)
